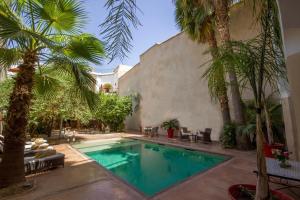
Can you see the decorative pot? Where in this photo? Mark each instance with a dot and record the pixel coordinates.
(268, 149)
(170, 133)
(234, 192)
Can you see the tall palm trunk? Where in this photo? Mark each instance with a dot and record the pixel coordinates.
(222, 21)
(262, 186)
(223, 98)
(12, 165)
(268, 121)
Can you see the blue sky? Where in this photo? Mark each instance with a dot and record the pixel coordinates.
(157, 20)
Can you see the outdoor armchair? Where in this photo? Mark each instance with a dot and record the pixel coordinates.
(206, 135)
(184, 133)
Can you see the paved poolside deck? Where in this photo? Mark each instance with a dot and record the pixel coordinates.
(82, 179)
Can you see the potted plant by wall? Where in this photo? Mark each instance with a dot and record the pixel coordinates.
(170, 126)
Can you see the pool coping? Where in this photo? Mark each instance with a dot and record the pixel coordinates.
(115, 177)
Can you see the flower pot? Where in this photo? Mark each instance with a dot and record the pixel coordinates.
(170, 133)
(234, 192)
(268, 149)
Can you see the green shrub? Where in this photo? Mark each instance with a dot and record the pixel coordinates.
(6, 88)
(173, 123)
(228, 138)
(112, 110)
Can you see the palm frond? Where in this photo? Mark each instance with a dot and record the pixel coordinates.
(85, 46)
(10, 24)
(216, 80)
(9, 57)
(84, 82)
(245, 58)
(47, 82)
(116, 28)
(60, 15)
(196, 18)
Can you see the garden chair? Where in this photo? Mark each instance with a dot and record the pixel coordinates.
(154, 131)
(206, 136)
(147, 130)
(184, 133)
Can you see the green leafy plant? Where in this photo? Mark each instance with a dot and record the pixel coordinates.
(6, 87)
(112, 110)
(274, 115)
(60, 104)
(228, 138)
(170, 124)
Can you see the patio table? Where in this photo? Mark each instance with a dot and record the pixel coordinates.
(193, 137)
(283, 174)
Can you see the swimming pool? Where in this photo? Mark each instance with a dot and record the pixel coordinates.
(149, 167)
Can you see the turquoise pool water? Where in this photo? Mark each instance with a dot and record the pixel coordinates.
(149, 167)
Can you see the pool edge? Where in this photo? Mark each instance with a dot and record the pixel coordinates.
(115, 177)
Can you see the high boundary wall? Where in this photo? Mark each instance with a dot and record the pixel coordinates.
(169, 80)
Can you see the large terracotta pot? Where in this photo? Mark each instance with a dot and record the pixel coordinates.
(170, 133)
(234, 192)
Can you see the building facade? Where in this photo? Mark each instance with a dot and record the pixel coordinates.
(111, 78)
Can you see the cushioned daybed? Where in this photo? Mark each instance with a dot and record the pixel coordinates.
(35, 165)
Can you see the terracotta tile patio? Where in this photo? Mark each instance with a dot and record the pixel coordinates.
(83, 179)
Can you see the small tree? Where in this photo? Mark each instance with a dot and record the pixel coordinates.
(112, 110)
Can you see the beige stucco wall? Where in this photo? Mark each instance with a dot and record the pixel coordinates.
(290, 24)
(168, 78)
(130, 84)
(292, 105)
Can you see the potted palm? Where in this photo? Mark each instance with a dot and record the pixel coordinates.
(170, 126)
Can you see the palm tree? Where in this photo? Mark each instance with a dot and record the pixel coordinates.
(38, 33)
(198, 22)
(259, 62)
(222, 22)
